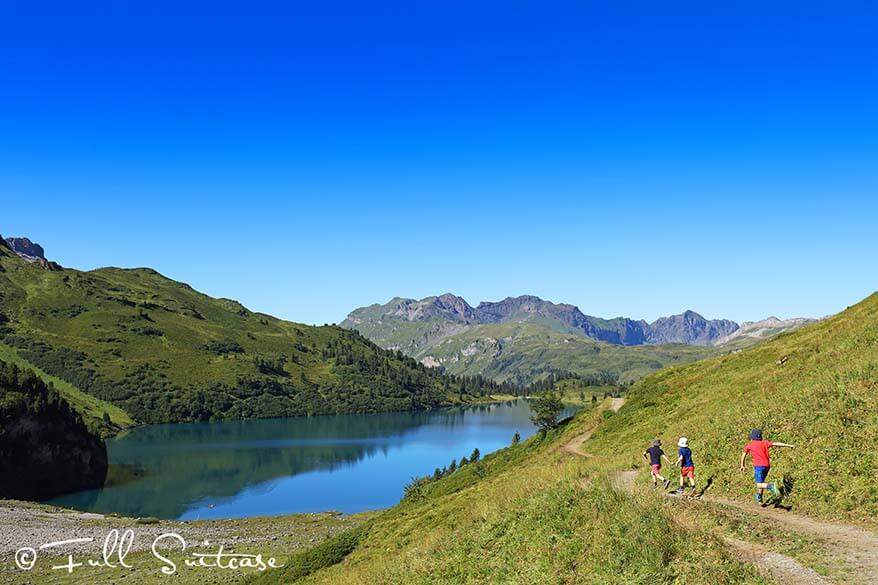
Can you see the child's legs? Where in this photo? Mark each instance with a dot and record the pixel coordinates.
(760, 474)
(656, 472)
(687, 473)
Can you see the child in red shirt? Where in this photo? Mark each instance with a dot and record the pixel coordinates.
(758, 449)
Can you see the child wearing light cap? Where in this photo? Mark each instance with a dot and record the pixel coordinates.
(687, 467)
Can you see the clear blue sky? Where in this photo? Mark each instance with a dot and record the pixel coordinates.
(633, 158)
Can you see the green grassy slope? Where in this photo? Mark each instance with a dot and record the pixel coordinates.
(91, 408)
(534, 514)
(522, 352)
(521, 516)
(816, 388)
(161, 351)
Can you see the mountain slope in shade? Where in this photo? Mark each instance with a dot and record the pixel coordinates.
(45, 447)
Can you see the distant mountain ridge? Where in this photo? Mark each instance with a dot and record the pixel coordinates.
(763, 329)
(520, 339)
(688, 328)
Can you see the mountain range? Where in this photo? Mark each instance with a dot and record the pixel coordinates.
(688, 327)
(496, 338)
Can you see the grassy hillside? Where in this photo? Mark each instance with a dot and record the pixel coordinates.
(92, 409)
(161, 351)
(816, 388)
(521, 516)
(523, 352)
(532, 513)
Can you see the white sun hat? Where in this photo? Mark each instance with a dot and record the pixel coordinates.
(683, 442)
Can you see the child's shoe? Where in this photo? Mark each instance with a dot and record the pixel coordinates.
(758, 498)
(667, 483)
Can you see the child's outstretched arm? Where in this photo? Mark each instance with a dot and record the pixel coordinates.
(679, 460)
(645, 456)
(743, 458)
(665, 457)
(776, 444)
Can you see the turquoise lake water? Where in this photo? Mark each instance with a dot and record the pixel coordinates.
(345, 463)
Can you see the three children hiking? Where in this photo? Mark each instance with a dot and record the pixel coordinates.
(757, 448)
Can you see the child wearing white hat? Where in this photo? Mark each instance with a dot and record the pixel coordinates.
(687, 467)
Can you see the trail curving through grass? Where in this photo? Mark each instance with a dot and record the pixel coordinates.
(857, 547)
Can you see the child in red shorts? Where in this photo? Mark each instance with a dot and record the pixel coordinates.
(687, 467)
(654, 455)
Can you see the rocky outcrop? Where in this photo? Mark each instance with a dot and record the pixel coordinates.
(45, 447)
(448, 306)
(30, 252)
(764, 329)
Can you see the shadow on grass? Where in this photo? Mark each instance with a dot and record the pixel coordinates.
(786, 488)
(706, 486)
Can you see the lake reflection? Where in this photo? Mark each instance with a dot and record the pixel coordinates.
(347, 463)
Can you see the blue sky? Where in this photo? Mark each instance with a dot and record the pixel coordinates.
(635, 159)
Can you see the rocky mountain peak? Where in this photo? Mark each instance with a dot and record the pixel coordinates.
(765, 328)
(24, 247)
(453, 314)
(689, 327)
(450, 303)
(30, 251)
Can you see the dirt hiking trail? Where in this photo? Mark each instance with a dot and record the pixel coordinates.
(855, 547)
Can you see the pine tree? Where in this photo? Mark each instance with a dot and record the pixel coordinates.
(546, 409)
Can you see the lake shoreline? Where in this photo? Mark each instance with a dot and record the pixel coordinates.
(236, 469)
(478, 401)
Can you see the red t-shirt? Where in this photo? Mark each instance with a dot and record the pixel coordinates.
(759, 451)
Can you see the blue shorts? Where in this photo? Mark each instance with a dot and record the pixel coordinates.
(760, 473)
